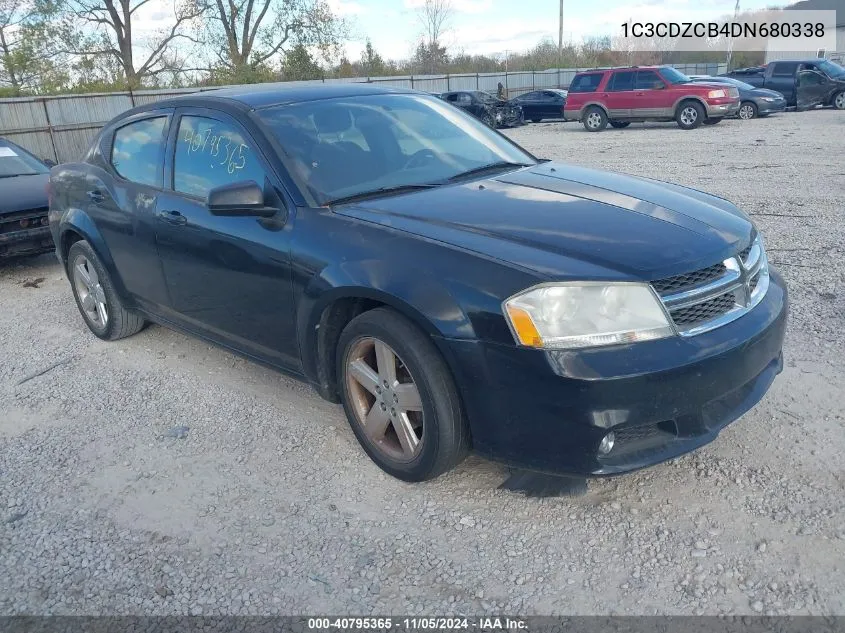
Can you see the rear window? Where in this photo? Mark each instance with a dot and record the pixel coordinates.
(586, 83)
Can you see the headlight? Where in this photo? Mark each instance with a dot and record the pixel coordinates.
(586, 314)
(716, 94)
(770, 98)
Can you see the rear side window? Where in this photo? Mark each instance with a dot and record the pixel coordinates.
(210, 153)
(585, 83)
(622, 81)
(137, 150)
(784, 69)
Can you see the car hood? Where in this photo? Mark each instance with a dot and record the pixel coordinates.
(544, 216)
(21, 193)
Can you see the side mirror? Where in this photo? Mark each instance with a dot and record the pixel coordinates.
(49, 162)
(239, 199)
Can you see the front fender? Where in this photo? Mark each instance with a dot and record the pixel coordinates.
(424, 300)
(75, 221)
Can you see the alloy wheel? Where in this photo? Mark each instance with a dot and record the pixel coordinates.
(839, 102)
(385, 399)
(594, 120)
(746, 112)
(86, 282)
(689, 115)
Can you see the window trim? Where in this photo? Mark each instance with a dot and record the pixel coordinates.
(612, 81)
(109, 139)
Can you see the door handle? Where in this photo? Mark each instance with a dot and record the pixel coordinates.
(95, 195)
(172, 217)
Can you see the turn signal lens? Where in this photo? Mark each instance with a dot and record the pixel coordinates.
(524, 327)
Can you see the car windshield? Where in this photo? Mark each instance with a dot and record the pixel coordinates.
(725, 80)
(16, 162)
(832, 69)
(346, 147)
(673, 76)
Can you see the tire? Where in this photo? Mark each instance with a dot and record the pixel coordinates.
(715, 121)
(536, 120)
(443, 439)
(620, 124)
(96, 297)
(690, 115)
(595, 120)
(747, 110)
(838, 100)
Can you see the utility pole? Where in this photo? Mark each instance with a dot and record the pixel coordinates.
(560, 37)
(730, 40)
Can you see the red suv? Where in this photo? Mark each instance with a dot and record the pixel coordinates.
(646, 93)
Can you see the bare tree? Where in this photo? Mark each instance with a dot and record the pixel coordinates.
(104, 28)
(256, 32)
(434, 17)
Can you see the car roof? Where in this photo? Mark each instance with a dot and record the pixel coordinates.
(605, 70)
(263, 95)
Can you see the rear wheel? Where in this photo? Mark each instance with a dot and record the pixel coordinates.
(399, 397)
(620, 124)
(838, 100)
(747, 110)
(96, 297)
(712, 121)
(690, 115)
(595, 120)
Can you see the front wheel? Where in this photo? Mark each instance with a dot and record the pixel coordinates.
(839, 100)
(620, 124)
(690, 115)
(399, 397)
(712, 121)
(595, 120)
(747, 110)
(96, 297)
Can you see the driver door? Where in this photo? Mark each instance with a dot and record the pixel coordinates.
(227, 277)
(813, 88)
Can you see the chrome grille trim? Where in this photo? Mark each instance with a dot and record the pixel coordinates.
(746, 277)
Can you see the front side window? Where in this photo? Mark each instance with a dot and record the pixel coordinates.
(210, 153)
(622, 81)
(648, 80)
(464, 99)
(586, 83)
(673, 75)
(137, 150)
(348, 146)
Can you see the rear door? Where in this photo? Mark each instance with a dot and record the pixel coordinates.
(531, 105)
(783, 79)
(619, 95)
(552, 103)
(228, 277)
(651, 97)
(121, 199)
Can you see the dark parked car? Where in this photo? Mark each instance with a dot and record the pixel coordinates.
(452, 291)
(804, 83)
(753, 102)
(23, 202)
(619, 96)
(541, 104)
(487, 108)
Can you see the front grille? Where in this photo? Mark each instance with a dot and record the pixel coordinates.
(712, 296)
(688, 280)
(23, 220)
(704, 311)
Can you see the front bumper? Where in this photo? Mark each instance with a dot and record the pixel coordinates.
(548, 411)
(32, 240)
(770, 107)
(720, 110)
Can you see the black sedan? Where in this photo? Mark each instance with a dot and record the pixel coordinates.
(452, 291)
(23, 202)
(485, 107)
(753, 102)
(541, 104)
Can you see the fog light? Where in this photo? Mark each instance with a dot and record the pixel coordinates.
(607, 443)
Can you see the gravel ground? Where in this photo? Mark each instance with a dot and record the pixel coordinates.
(267, 505)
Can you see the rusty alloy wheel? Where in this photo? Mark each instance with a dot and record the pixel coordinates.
(385, 399)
